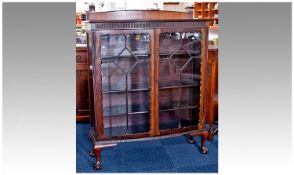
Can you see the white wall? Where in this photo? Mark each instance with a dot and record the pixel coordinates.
(110, 5)
(177, 7)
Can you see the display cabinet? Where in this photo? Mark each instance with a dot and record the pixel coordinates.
(147, 77)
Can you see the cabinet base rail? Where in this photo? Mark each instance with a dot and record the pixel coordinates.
(98, 146)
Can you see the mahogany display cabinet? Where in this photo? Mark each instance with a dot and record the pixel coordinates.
(147, 72)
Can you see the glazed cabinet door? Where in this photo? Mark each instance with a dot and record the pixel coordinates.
(122, 82)
(180, 57)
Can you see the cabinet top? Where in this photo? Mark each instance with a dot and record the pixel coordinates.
(139, 15)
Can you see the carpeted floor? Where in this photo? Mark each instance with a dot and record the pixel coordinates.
(173, 155)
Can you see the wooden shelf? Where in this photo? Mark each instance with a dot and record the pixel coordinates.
(206, 10)
(82, 118)
(176, 108)
(113, 111)
(162, 86)
(120, 110)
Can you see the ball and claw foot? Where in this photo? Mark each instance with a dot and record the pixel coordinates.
(92, 154)
(97, 165)
(190, 139)
(204, 150)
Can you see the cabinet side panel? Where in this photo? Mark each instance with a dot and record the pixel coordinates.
(90, 49)
(203, 87)
(98, 108)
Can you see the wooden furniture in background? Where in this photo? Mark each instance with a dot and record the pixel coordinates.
(82, 92)
(80, 18)
(212, 89)
(206, 10)
(148, 73)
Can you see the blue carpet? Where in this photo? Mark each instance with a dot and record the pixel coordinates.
(173, 155)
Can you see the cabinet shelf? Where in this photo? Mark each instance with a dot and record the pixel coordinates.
(184, 83)
(174, 87)
(177, 108)
(123, 114)
(134, 109)
(124, 91)
(134, 87)
(162, 86)
(108, 59)
(111, 58)
(140, 90)
(121, 110)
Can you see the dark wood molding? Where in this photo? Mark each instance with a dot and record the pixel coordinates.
(146, 24)
(83, 118)
(137, 15)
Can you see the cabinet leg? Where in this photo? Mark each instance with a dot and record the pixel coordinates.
(190, 139)
(204, 150)
(92, 154)
(97, 152)
(204, 135)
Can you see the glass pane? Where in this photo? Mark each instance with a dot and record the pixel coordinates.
(113, 78)
(125, 83)
(139, 77)
(191, 43)
(111, 46)
(114, 113)
(178, 118)
(168, 99)
(179, 79)
(114, 104)
(168, 73)
(114, 125)
(139, 123)
(117, 125)
(190, 97)
(169, 42)
(191, 73)
(138, 43)
(138, 101)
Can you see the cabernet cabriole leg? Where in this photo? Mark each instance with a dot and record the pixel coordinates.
(204, 150)
(92, 154)
(204, 135)
(190, 139)
(97, 152)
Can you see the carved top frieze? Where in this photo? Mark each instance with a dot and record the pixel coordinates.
(145, 25)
